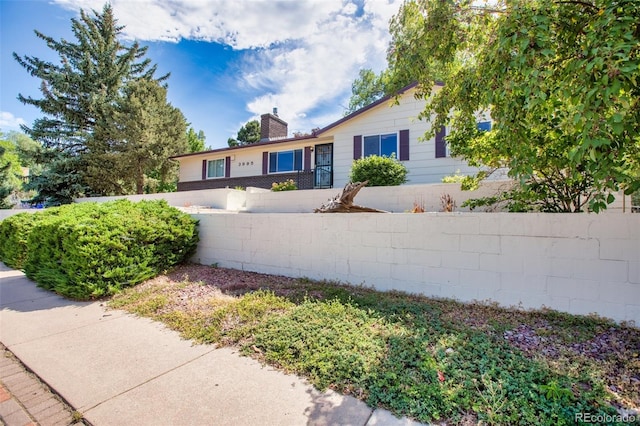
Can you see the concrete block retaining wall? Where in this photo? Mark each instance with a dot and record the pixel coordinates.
(579, 264)
(397, 199)
(222, 198)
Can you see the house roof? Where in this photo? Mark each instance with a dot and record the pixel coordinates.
(365, 109)
(315, 134)
(234, 148)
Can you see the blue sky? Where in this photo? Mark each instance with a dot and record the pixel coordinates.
(230, 61)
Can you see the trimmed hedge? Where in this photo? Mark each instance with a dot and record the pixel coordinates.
(92, 250)
(14, 231)
(379, 171)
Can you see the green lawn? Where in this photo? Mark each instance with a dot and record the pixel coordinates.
(429, 359)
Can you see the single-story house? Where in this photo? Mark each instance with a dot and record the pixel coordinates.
(324, 159)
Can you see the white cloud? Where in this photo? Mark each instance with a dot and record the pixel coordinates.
(9, 121)
(301, 56)
(240, 24)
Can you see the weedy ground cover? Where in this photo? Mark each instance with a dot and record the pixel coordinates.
(433, 360)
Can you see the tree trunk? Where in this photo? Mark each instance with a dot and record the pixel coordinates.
(140, 180)
(343, 202)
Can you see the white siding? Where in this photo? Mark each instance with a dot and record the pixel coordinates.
(423, 165)
(190, 168)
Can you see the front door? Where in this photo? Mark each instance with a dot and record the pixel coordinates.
(324, 166)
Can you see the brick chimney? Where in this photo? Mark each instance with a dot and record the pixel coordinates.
(272, 127)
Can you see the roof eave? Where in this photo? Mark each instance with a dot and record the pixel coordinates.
(368, 107)
(233, 148)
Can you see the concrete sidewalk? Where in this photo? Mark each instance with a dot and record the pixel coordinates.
(118, 369)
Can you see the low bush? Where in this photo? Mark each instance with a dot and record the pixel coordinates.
(287, 185)
(91, 250)
(14, 231)
(379, 171)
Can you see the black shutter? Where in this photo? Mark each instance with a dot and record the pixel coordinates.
(307, 158)
(404, 145)
(357, 147)
(265, 162)
(227, 167)
(441, 145)
(204, 169)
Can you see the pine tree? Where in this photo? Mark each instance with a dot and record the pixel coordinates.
(81, 91)
(247, 135)
(147, 130)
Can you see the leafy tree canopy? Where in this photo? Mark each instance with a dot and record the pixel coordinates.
(366, 89)
(248, 134)
(7, 175)
(196, 140)
(369, 87)
(16, 154)
(560, 80)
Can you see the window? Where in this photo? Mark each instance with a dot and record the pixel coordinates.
(285, 161)
(484, 126)
(383, 145)
(215, 168)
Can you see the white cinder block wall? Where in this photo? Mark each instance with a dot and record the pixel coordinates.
(397, 199)
(579, 264)
(222, 198)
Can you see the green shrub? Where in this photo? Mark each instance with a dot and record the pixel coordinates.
(14, 231)
(287, 185)
(379, 171)
(91, 250)
(455, 178)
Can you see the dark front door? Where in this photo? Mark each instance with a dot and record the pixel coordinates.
(324, 166)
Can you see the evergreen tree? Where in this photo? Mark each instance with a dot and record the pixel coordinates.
(60, 182)
(248, 134)
(81, 91)
(146, 131)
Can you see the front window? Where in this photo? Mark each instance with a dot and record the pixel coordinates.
(484, 126)
(382, 145)
(215, 168)
(285, 161)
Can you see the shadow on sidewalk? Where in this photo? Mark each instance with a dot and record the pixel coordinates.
(19, 293)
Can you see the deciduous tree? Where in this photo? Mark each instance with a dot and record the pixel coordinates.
(5, 178)
(366, 89)
(196, 140)
(560, 79)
